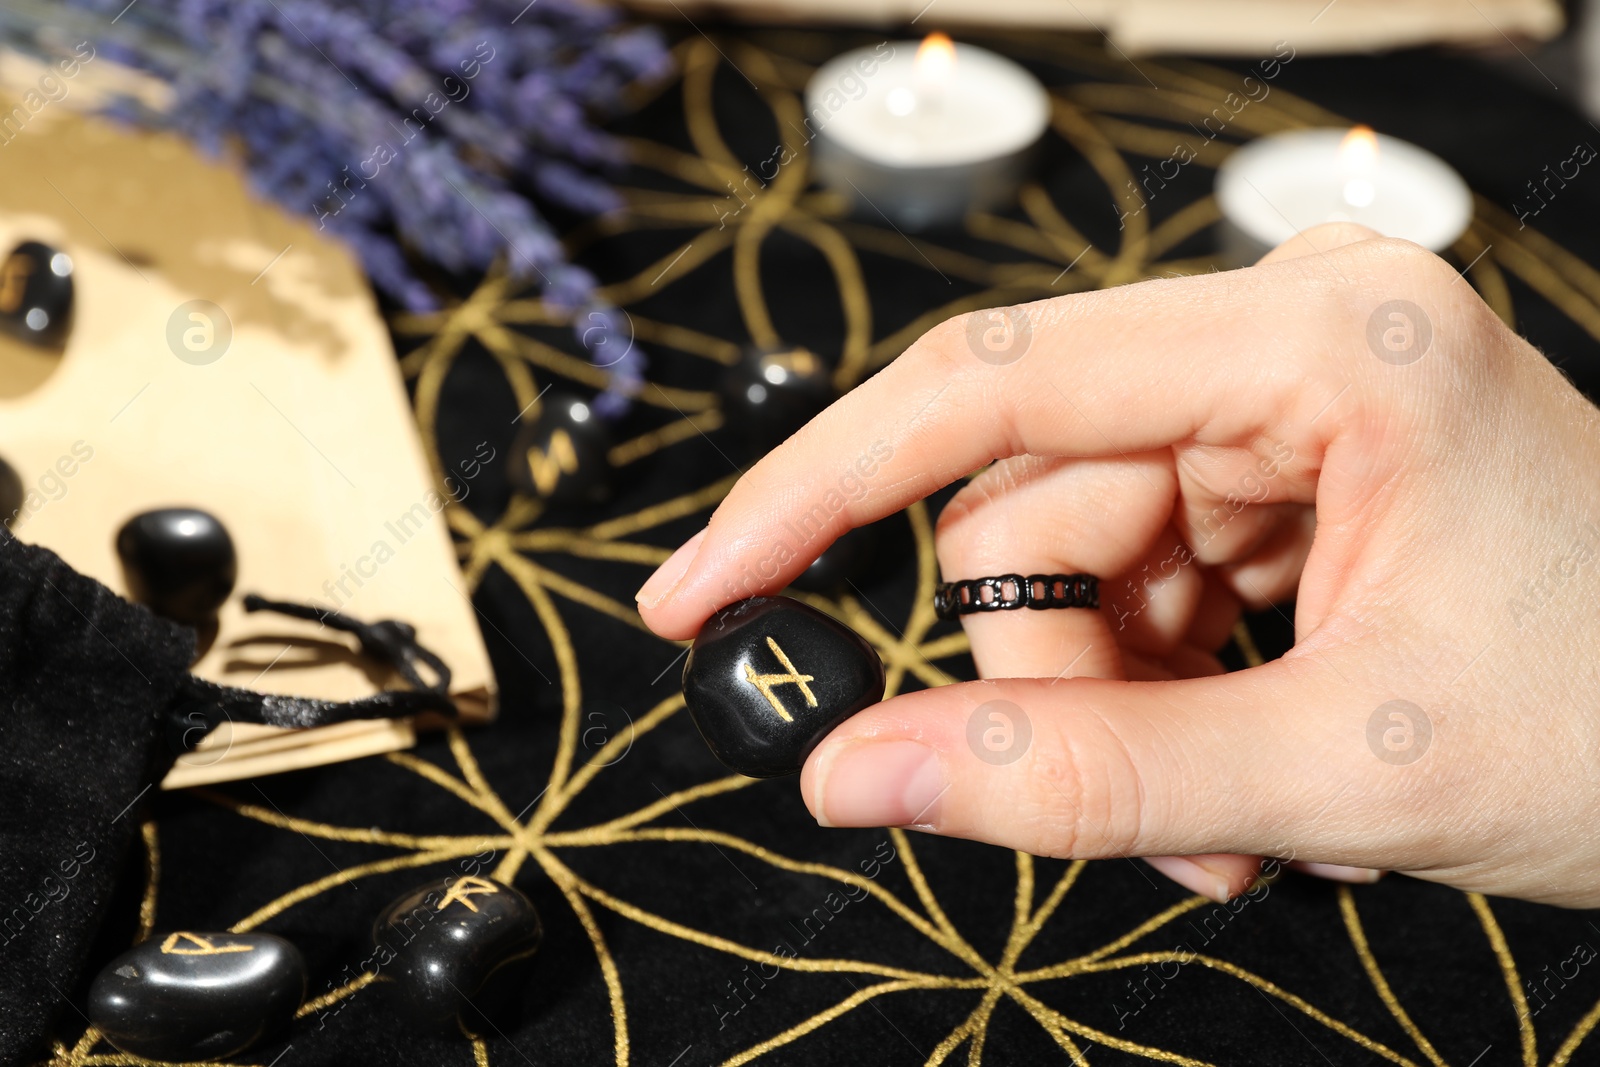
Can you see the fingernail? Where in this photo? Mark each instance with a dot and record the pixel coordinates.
(1340, 873)
(670, 573)
(880, 783)
(1192, 876)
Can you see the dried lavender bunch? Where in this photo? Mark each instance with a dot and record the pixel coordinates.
(410, 129)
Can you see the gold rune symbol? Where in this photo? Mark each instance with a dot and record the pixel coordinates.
(14, 281)
(547, 467)
(198, 946)
(468, 886)
(765, 682)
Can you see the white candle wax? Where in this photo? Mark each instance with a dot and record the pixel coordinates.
(923, 138)
(1278, 185)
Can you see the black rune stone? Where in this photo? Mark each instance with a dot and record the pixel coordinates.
(36, 294)
(768, 678)
(440, 944)
(772, 392)
(562, 453)
(186, 996)
(179, 562)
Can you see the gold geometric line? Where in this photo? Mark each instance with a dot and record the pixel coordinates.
(1487, 277)
(332, 997)
(948, 645)
(530, 576)
(1530, 259)
(1079, 130)
(1508, 969)
(700, 249)
(1052, 1026)
(582, 371)
(1270, 988)
(1183, 224)
(930, 903)
(610, 551)
(750, 848)
(445, 780)
(603, 755)
(733, 948)
(980, 1025)
(846, 267)
(822, 1018)
(490, 801)
(1584, 1028)
(1029, 239)
(152, 873)
(686, 340)
(1056, 1023)
(1078, 963)
(327, 831)
(685, 166)
(1021, 907)
(747, 272)
(647, 444)
(565, 881)
(664, 512)
(480, 1049)
(602, 832)
(350, 874)
(898, 656)
(1358, 938)
(1247, 644)
(1071, 246)
(1563, 264)
(699, 76)
(1068, 878)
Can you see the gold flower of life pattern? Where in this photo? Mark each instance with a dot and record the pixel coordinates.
(1111, 110)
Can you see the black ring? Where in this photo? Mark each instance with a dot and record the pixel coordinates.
(1008, 592)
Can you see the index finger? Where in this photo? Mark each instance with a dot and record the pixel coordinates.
(1211, 360)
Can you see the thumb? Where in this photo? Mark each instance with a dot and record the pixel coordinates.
(1089, 768)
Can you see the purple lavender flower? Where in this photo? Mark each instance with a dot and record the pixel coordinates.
(413, 130)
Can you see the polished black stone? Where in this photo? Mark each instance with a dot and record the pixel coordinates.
(179, 562)
(447, 943)
(847, 560)
(561, 454)
(36, 294)
(12, 494)
(769, 677)
(197, 996)
(772, 392)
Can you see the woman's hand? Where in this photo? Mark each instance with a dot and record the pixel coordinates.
(1347, 424)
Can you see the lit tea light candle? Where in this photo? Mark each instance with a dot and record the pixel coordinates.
(922, 134)
(1276, 186)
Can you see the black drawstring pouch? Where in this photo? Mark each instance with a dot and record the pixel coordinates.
(96, 703)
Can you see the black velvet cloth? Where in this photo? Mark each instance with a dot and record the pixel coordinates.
(651, 924)
(87, 679)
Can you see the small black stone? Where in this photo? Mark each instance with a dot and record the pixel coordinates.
(769, 677)
(188, 996)
(440, 944)
(845, 561)
(179, 562)
(36, 294)
(561, 454)
(12, 495)
(772, 392)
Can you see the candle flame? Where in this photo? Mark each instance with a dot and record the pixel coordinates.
(1358, 152)
(936, 58)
